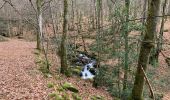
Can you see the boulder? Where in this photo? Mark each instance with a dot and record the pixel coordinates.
(70, 87)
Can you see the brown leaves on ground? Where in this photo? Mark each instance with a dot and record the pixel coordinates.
(16, 63)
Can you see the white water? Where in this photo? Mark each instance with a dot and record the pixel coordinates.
(86, 74)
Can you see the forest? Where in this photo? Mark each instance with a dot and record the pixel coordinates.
(84, 49)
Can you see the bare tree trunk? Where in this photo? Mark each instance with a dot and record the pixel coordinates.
(144, 15)
(72, 17)
(169, 7)
(64, 65)
(160, 39)
(144, 11)
(9, 23)
(99, 22)
(146, 46)
(126, 67)
(40, 29)
(52, 18)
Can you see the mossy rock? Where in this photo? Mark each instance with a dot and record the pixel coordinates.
(59, 97)
(60, 89)
(66, 96)
(50, 85)
(55, 96)
(76, 96)
(70, 87)
(2, 39)
(97, 97)
(75, 70)
(37, 52)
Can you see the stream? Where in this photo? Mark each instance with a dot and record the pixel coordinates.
(88, 66)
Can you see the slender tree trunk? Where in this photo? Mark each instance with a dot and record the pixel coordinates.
(146, 46)
(98, 37)
(40, 29)
(72, 17)
(168, 7)
(64, 65)
(9, 22)
(160, 39)
(144, 11)
(144, 14)
(52, 18)
(127, 2)
(40, 37)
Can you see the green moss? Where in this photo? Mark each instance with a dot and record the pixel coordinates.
(76, 96)
(97, 97)
(51, 95)
(66, 96)
(70, 87)
(75, 70)
(55, 96)
(2, 39)
(50, 85)
(37, 52)
(60, 89)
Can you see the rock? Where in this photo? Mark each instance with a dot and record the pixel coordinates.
(50, 85)
(70, 87)
(76, 96)
(60, 89)
(2, 38)
(55, 96)
(66, 96)
(76, 70)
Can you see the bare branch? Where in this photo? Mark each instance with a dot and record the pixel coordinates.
(33, 6)
(46, 2)
(10, 3)
(3, 5)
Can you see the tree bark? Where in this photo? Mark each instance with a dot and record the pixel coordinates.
(64, 65)
(160, 38)
(169, 7)
(146, 46)
(40, 29)
(99, 22)
(127, 2)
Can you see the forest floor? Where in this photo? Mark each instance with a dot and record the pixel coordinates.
(164, 70)
(20, 78)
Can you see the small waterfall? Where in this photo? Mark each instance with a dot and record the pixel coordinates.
(89, 69)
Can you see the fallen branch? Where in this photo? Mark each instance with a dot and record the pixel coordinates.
(147, 81)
